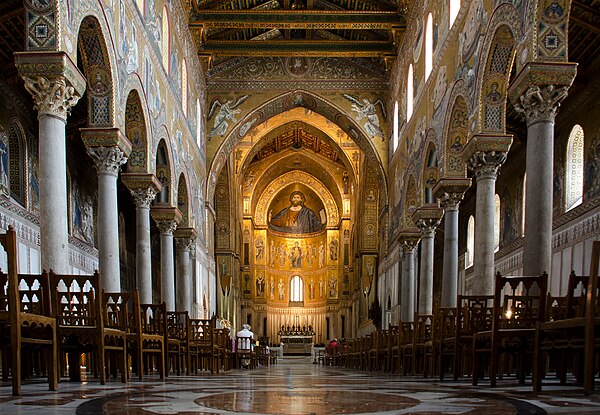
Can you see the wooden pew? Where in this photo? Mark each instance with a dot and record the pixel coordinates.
(577, 334)
(25, 316)
(515, 315)
(78, 306)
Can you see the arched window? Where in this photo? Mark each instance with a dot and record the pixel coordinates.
(574, 171)
(296, 289)
(395, 127)
(164, 47)
(409, 92)
(454, 9)
(198, 122)
(470, 241)
(428, 46)
(496, 223)
(184, 87)
(16, 162)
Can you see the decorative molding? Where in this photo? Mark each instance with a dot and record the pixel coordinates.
(108, 160)
(143, 197)
(52, 79)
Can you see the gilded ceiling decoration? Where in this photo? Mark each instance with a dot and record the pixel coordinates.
(297, 28)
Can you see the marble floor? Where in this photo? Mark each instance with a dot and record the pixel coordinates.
(294, 386)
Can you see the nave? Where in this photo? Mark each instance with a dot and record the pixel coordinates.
(294, 386)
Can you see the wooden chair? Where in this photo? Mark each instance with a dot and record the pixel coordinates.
(25, 319)
(577, 335)
(393, 351)
(474, 315)
(244, 352)
(203, 351)
(442, 330)
(150, 337)
(223, 341)
(177, 342)
(405, 341)
(421, 335)
(78, 306)
(515, 314)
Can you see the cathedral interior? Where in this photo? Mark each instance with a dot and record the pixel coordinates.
(315, 169)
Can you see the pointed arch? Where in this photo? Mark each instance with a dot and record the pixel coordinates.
(492, 84)
(430, 170)
(184, 87)
(411, 199)
(456, 131)
(137, 132)
(97, 69)
(163, 173)
(17, 166)
(183, 201)
(311, 102)
(296, 289)
(409, 92)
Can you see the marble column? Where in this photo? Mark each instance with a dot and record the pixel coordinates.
(450, 191)
(108, 162)
(167, 218)
(143, 188)
(427, 220)
(108, 148)
(537, 93)
(185, 238)
(484, 155)
(485, 167)
(56, 85)
(409, 240)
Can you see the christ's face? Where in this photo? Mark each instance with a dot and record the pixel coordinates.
(296, 200)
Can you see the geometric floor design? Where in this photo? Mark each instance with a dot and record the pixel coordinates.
(295, 386)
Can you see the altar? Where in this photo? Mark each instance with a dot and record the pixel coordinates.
(296, 340)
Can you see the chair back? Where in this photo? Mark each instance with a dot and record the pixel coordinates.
(519, 301)
(177, 325)
(76, 300)
(153, 319)
(474, 314)
(118, 310)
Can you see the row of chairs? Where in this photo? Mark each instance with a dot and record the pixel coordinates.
(519, 330)
(48, 321)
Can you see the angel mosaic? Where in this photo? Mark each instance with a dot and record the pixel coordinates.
(226, 113)
(367, 110)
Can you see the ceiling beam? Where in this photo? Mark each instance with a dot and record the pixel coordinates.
(297, 19)
(354, 49)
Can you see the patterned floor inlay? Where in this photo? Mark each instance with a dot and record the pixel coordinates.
(294, 387)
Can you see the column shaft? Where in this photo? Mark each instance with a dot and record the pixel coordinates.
(108, 233)
(425, 305)
(143, 254)
(450, 267)
(167, 265)
(483, 258)
(537, 249)
(408, 286)
(54, 239)
(184, 277)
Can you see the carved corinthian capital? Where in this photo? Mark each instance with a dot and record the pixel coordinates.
(143, 197)
(51, 96)
(539, 103)
(485, 164)
(108, 160)
(167, 227)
